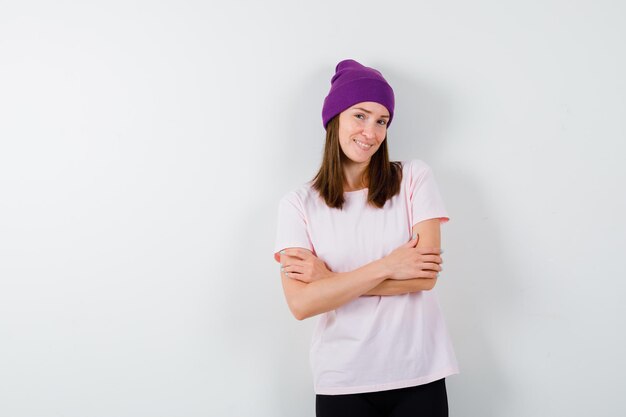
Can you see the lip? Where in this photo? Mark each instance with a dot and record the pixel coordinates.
(364, 146)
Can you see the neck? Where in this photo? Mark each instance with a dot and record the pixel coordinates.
(355, 176)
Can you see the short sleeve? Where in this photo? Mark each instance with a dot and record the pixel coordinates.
(291, 225)
(424, 197)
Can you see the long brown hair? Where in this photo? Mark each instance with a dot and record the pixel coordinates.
(384, 176)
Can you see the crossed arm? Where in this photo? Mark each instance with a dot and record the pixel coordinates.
(412, 267)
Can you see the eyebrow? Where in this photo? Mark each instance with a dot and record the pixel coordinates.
(368, 112)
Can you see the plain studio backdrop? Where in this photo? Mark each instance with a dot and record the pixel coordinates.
(145, 145)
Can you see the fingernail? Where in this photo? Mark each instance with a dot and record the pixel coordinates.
(415, 235)
(282, 252)
(282, 268)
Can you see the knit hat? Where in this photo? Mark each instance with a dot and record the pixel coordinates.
(354, 83)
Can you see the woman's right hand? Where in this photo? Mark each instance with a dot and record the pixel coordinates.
(301, 264)
(409, 261)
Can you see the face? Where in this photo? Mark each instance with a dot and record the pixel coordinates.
(362, 129)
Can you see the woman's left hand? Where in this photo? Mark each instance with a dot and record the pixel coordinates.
(301, 264)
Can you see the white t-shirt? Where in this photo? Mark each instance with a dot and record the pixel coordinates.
(373, 343)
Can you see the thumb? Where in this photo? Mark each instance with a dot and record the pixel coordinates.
(411, 243)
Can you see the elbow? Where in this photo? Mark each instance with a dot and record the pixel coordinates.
(430, 284)
(302, 306)
(298, 310)
(300, 315)
(305, 314)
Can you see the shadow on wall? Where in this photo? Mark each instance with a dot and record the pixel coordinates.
(482, 289)
(422, 114)
(478, 301)
(267, 348)
(300, 134)
(301, 137)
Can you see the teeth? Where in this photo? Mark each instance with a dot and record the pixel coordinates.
(362, 145)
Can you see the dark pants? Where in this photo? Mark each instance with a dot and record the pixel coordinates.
(428, 400)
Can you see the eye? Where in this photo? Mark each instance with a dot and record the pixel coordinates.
(382, 122)
(359, 116)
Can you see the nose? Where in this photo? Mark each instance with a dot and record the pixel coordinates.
(368, 130)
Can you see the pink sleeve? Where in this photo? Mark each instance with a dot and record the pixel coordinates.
(292, 226)
(426, 202)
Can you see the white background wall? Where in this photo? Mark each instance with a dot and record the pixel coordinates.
(144, 147)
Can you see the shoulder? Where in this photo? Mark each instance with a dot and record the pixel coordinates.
(299, 197)
(414, 165)
(414, 169)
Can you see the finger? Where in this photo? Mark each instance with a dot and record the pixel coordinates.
(431, 266)
(292, 260)
(294, 276)
(292, 269)
(291, 252)
(299, 277)
(429, 251)
(432, 258)
(296, 252)
(411, 243)
(294, 263)
(284, 258)
(429, 274)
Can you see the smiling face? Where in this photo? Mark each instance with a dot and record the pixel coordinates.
(362, 129)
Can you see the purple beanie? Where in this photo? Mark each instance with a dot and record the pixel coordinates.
(354, 83)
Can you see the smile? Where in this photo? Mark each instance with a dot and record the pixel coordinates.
(362, 145)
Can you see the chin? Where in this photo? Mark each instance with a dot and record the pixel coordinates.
(359, 160)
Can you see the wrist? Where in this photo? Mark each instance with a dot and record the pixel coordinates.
(382, 269)
(385, 267)
(330, 274)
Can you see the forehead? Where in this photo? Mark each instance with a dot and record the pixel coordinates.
(371, 107)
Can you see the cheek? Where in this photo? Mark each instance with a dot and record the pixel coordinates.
(345, 132)
(344, 142)
(382, 136)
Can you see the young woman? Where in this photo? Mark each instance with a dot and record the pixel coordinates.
(359, 245)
